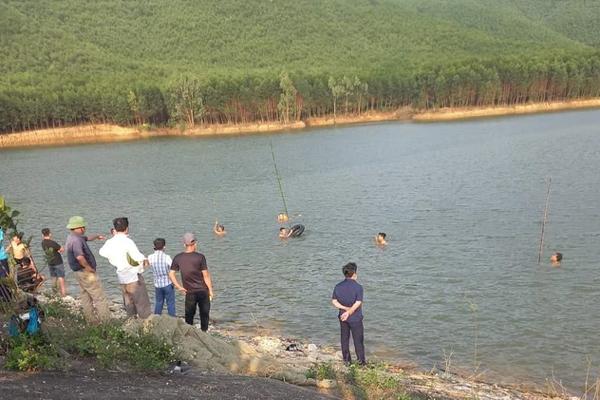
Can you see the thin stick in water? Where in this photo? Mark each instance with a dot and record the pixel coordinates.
(544, 221)
(278, 179)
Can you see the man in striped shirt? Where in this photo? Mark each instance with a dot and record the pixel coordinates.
(163, 288)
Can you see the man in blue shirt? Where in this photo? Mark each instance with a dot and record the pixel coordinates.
(348, 297)
(83, 263)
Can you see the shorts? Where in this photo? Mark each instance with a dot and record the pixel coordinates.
(57, 271)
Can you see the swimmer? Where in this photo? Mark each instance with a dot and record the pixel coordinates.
(380, 239)
(284, 233)
(555, 259)
(219, 229)
(282, 217)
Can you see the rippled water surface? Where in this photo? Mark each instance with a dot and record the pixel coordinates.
(461, 204)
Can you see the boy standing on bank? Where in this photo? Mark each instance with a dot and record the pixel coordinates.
(163, 288)
(54, 259)
(348, 298)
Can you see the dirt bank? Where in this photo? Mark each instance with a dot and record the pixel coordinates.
(450, 114)
(103, 133)
(88, 384)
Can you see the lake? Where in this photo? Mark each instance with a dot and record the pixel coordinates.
(461, 204)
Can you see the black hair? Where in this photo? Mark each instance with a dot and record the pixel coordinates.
(159, 243)
(382, 234)
(558, 256)
(220, 227)
(46, 231)
(282, 228)
(121, 224)
(349, 269)
(26, 261)
(19, 235)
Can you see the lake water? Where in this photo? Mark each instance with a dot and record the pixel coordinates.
(461, 204)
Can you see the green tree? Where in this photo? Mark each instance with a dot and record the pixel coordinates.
(186, 101)
(287, 98)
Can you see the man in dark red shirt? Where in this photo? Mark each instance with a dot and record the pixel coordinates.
(195, 277)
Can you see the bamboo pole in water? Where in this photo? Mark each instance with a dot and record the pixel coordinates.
(278, 180)
(544, 221)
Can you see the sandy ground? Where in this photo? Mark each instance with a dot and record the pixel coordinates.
(103, 133)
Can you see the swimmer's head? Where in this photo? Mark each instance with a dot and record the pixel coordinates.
(282, 217)
(381, 235)
(556, 257)
(220, 228)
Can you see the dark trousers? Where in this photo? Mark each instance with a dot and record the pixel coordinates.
(201, 300)
(357, 330)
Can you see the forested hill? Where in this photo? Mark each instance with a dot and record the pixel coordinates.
(64, 62)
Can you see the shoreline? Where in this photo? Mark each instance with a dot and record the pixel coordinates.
(262, 344)
(107, 133)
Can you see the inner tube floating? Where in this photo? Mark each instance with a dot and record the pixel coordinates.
(297, 230)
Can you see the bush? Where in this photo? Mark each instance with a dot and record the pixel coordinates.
(31, 353)
(321, 371)
(111, 346)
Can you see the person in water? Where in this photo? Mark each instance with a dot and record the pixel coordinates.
(555, 259)
(219, 229)
(380, 239)
(282, 217)
(284, 232)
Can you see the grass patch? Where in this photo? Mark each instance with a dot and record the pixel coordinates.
(374, 381)
(321, 371)
(30, 353)
(66, 335)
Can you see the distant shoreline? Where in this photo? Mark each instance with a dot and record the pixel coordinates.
(106, 133)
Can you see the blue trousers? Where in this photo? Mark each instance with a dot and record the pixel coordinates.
(164, 293)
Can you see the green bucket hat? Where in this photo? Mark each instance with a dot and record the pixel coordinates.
(76, 222)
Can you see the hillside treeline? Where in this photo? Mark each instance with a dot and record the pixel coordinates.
(285, 97)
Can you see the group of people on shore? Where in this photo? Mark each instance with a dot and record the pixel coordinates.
(121, 252)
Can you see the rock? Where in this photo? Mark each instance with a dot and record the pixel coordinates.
(211, 353)
(269, 344)
(312, 348)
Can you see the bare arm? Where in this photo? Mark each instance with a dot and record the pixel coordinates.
(94, 237)
(84, 264)
(173, 278)
(351, 310)
(208, 281)
(337, 304)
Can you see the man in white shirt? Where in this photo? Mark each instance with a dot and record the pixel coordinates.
(123, 253)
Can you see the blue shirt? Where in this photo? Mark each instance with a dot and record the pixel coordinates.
(76, 246)
(3, 255)
(347, 292)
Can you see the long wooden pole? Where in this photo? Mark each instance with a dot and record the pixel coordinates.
(278, 180)
(544, 221)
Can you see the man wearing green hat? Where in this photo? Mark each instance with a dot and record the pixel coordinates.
(83, 263)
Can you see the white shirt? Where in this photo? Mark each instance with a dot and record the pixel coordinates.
(116, 250)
